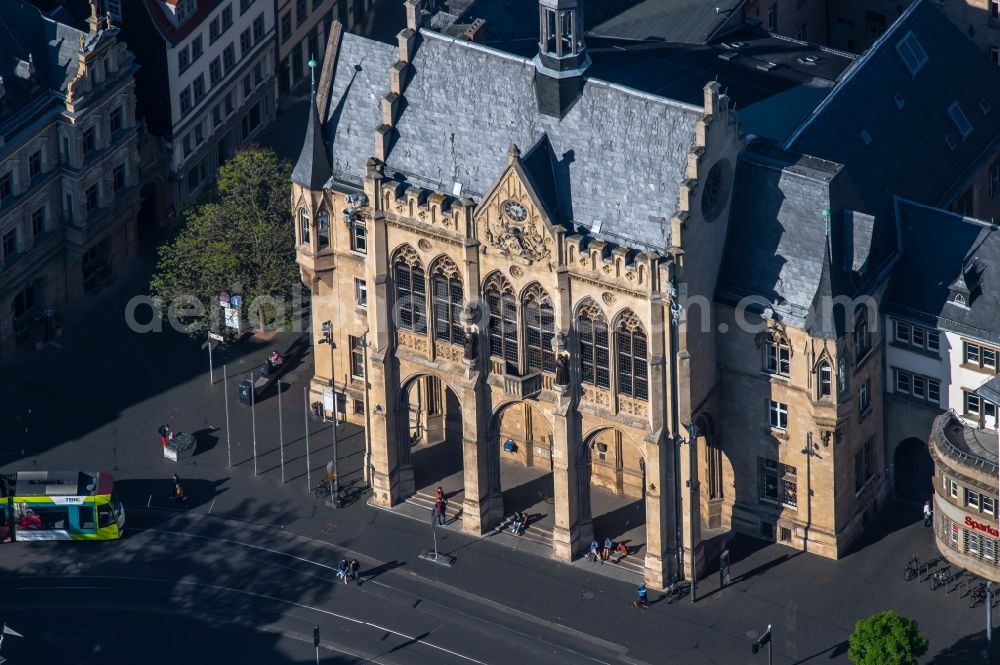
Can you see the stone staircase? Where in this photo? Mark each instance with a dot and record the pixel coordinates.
(537, 537)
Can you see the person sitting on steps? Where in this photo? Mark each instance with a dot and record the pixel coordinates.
(594, 547)
(520, 523)
(622, 550)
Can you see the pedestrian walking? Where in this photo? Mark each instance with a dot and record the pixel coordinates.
(439, 511)
(179, 497)
(342, 570)
(928, 514)
(439, 494)
(165, 433)
(643, 599)
(354, 570)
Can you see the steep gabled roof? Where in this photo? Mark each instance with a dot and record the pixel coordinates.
(620, 155)
(893, 130)
(312, 169)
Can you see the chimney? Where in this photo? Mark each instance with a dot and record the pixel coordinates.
(562, 58)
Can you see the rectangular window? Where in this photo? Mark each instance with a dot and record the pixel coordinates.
(919, 386)
(92, 198)
(357, 358)
(245, 5)
(918, 337)
(972, 542)
(216, 115)
(777, 357)
(360, 293)
(972, 499)
(227, 17)
(778, 482)
(988, 504)
(778, 415)
(213, 30)
(246, 42)
(117, 119)
(258, 28)
(933, 340)
(286, 27)
(911, 53)
(185, 101)
(973, 406)
(38, 222)
(934, 391)
(903, 332)
(89, 140)
(199, 88)
(989, 549)
(118, 176)
(258, 73)
(230, 105)
(35, 163)
(359, 238)
(904, 382)
(229, 57)
(196, 48)
(183, 59)
(864, 395)
(6, 187)
(989, 357)
(961, 121)
(186, 143)
(9, 243)
(247, 88)
(301, 12)
(199, 133)
(215, 70)
(952, 489)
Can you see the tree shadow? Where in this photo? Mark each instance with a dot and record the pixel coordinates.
(969, 649)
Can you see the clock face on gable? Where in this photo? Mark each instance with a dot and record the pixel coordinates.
(514, 211)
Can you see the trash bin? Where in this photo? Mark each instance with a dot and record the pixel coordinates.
(246, 392)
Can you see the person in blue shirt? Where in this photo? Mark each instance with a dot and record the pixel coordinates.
(594, 556)
(606, 550)
(643, 600)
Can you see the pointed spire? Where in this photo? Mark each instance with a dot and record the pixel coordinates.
(312, 168)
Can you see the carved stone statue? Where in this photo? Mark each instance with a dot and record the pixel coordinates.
(562, 370)
(469, 345)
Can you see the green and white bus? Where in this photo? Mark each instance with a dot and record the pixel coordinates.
(46, 505)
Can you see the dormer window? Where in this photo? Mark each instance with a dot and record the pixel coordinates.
(960, 300)
(824, 383)
(303, 226)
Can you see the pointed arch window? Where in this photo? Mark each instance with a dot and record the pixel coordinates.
(824, 380)
(323, 228)
(595, 346)
(303, 226)
(447, 294)
(411, 291)
(633, 367)
(539, 329)
(503, 322)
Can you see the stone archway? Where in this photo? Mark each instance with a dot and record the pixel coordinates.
(913, 470)
(612, 482)
(524, 440)
(430, 438)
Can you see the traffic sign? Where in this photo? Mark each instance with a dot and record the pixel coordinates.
(216, 336)
(235, 301)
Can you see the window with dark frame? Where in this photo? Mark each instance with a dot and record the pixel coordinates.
(246, 42)
(35, 164)
(118, 176)
(357, 357)
(213, 30)
(777, 356)
(227, 17)
(778, 482)
(258, 29)
(229, 57)
(9, 243)
(196, 48)
(89, 140)
(38, 222)
(301, 12)
(777, 415)
(595, 347)
(864, 395)
(411, 293)
(199, 88)
(503, 323)
(825, 379)
(117, 119)
(303, 226)
(361, 293)
(92, 198)
(633, 370)
(539, 329)
(862, 336)
(448, 300)
(286, 27)
(6, 186)
(323, 228)
(215, 70)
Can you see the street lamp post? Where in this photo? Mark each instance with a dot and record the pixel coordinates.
(368, 417)
(693, 508)
(328, 339)
(809, 452)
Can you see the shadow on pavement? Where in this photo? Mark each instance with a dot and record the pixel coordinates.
(969, 649)
(895, 515)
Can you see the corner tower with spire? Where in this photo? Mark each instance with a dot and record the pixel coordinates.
(562, 58)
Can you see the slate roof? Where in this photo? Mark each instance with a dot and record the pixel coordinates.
(687, 21)
(892, 150)
(360, 79)
(777, 240)
(620, 155)
(990, 390)
(935, 244)
(312, 169)
(25, 30)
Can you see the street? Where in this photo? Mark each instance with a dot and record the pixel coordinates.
(247, 569)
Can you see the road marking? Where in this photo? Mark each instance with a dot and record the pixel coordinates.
(149, 501)
(212, 506)
(218, 587)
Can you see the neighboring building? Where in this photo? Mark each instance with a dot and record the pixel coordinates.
(582, 266)
(965, 494)
(69, 171)
(802, 19)
(206, 83)
(943, 329)
(303, 30)
(881, 104)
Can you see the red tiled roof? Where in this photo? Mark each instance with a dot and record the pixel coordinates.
(163, 24)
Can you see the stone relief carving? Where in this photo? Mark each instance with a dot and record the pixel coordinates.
(516, 271)
(424, 244)
(608, 298)
(523, 240)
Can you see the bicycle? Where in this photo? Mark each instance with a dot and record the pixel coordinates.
(322, 490)
(912, 568)
(940, 578)
(977, 595)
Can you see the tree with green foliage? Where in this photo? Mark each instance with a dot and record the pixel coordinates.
(886, 639)
(240, 240)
